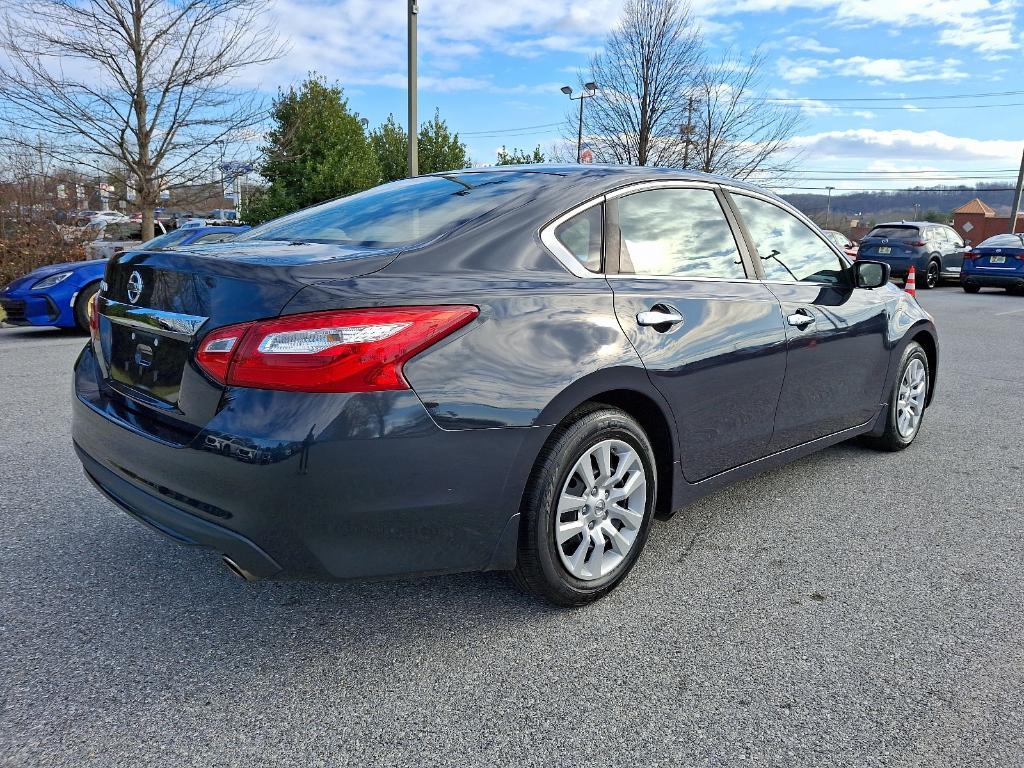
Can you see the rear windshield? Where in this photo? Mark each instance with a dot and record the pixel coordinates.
(165, 241)
(1003, 241)
(401, 213)
(896, 233)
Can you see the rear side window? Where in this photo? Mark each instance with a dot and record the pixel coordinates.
(789, 249)
(166, 241)
(581, 236)
(401, 213)
(896, 233)
(214, 237)
(677, 233)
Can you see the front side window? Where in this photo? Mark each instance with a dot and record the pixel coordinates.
(677, 233)
(789, 250)
(581, 236)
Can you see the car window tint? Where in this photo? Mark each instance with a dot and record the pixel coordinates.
(788, 248)
(213, 237)
(581, 235)
(402, 212)
(165, 241)
(677, 232)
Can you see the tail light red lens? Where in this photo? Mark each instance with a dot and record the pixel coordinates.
(94, 316)
(914, 243)
(971, 255)
(359, 350)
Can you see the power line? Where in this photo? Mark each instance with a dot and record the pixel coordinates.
(906, 108)
(909, 98)
(497, 131)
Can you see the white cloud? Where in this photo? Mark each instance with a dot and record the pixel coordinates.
(906, 146)
(865, 114)
(878, 70)
(796, 43)
(912, 108)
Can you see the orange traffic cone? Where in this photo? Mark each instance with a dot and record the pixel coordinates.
(910, 284)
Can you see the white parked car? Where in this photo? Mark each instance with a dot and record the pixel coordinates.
(115, 237)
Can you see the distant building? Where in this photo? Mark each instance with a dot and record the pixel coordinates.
(976, 221)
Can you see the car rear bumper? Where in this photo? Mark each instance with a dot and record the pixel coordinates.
(992, 281)
(314, 486)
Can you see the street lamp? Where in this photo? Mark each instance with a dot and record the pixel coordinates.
(589, 91)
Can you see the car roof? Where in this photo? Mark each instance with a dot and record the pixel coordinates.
(602, 178)
(911, 224)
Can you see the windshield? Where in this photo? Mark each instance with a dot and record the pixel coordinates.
(896, 233)
(401, 213)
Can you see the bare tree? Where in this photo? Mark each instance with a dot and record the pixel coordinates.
(662, 102)
(138, 85)
(736, 131)
(650, 63)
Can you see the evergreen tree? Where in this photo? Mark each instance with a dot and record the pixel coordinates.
(391, 146)
(316, 151)
(439, 149)
(519, 156)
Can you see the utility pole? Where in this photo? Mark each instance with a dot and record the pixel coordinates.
(687, 131)
(414, 169)
(1015, 208)
(828, 208)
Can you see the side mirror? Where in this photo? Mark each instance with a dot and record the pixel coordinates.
(870, 274)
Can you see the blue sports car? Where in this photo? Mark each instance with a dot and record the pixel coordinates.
(58, 294)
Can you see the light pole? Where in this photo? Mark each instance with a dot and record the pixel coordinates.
(414, 170)
(828, 208)
(588, 92)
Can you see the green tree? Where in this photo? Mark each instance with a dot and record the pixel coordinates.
(519, 157)
(391, 146)
(439, 149)
(316, 151)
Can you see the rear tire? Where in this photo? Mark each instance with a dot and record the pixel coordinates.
(82, 306)
(971, 288)
(615, 511)
(909, 391)
(933, 275)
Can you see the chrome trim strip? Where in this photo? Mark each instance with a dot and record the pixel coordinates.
(172, 324)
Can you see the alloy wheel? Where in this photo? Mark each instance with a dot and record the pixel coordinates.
(910, 402)
(600, 510)
(932, 277)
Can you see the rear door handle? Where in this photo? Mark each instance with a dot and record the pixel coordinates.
(800, 318)
(659, 317)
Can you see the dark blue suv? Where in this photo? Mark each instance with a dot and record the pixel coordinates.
(935, 250)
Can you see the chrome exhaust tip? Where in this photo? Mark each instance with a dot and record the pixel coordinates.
(238, 570)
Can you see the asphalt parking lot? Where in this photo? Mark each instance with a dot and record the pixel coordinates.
(854, 608)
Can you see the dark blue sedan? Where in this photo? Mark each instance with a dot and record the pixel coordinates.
(491, 369)
(59, 294)
(996, 263)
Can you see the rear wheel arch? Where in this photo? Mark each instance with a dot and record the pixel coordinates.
(927, 342)
(656, 420)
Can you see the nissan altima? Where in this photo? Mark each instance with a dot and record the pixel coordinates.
(494, 369)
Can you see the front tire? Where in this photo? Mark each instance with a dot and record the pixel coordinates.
(82, 304)
(906, 401)
(587, 509)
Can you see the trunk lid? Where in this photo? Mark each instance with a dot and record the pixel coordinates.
(156, 306)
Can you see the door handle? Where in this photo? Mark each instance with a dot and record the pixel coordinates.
(800, 318)
(659, 317)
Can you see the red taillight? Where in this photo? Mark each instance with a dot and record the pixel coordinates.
(971, 255)
(93, 309)
(359, 350)
(914, 243)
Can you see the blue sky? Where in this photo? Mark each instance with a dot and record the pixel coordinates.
(493, 66)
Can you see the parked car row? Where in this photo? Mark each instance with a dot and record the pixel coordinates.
(59, 294)
(938, 252)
